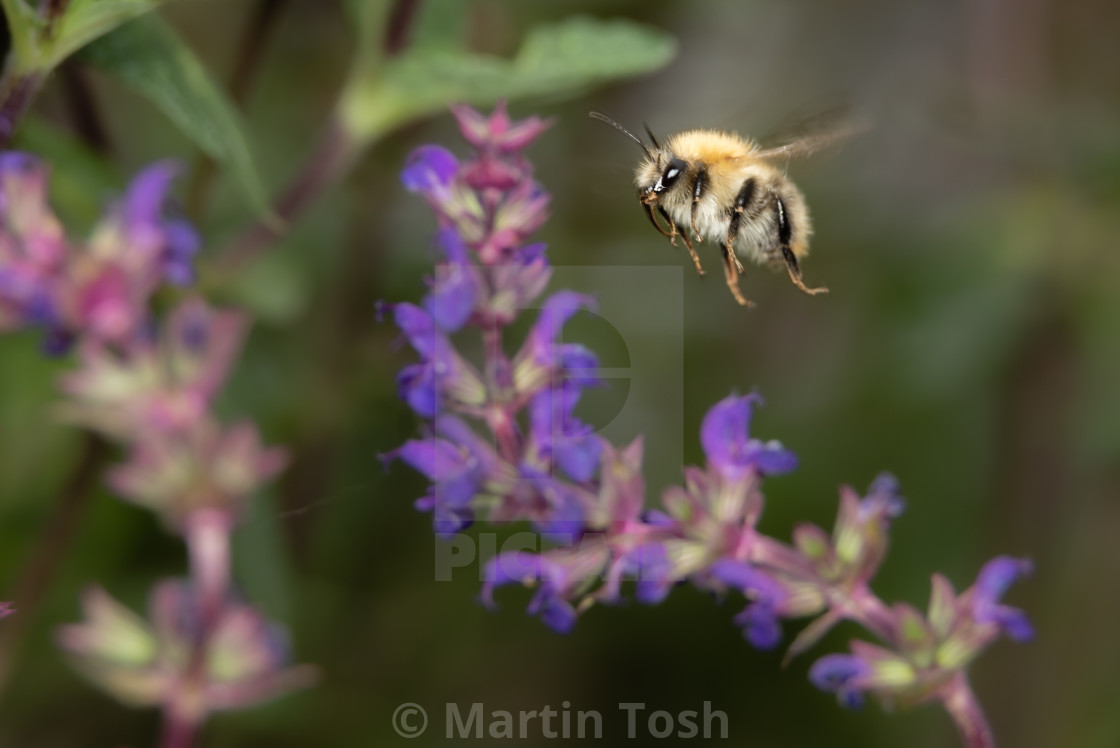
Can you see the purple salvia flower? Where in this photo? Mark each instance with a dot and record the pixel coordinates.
(542, 356)
(725, 435)
(455, 290)
(552, 579)
(555, 508)
(517, 283)
(430, 171)
(560, 436)
(442, 372)
(557, 574)
(574, 486)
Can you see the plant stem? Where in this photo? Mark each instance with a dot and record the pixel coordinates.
(498, 382)
(50, 551)
(82, 108)
(178, 730)
(51, 11)
(400, 22)
(336, 153)
(17, 91)
(961, 703)
(250, 49)
(207, 535)
(329, 162)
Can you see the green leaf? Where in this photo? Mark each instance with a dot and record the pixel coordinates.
(558, 60)
(86, 20)
(149, 56)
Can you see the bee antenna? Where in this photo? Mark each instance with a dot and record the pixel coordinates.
(613, 123)
(652, 137)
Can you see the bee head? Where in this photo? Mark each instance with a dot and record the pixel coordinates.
(658, 174)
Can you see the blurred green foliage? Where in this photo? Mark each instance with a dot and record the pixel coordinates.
(971, 344)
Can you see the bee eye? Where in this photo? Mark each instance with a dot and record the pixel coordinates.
(672, 172)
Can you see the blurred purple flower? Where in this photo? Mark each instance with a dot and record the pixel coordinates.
(994, 580)
(149, 664)
(498, 131)
(101, 291)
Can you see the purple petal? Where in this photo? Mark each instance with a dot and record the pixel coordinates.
(417, 326)
(578, 457)
(453, 295)
(556, 612)
(556, 311)
(882, 500)
(725, 436)
(580, 365)
(746, 578)
(658, 518)
(454, 248)
(436, 459)
(143, 203)
(725, 429)
(769, 459)
(650, 565)
(452, 301)
(565, 522)
(997, 576)
(512, 567)
(447, 521)
(17, 161)
(761, 626)
(429, 169)
(417, 385)
(841, 674)
(1013, 622)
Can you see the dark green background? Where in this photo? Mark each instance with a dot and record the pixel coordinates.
(971, 345)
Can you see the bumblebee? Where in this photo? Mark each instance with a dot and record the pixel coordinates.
(725, 189)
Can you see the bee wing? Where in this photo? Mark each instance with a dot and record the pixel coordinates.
(815, 141)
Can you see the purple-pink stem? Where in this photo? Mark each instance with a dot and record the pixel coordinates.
(500, 414)
(961, 703)
(178, 729)
(856, 603)
(207, 534)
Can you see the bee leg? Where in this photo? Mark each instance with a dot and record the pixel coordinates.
(692, 253)
(731, 269)
(699, 186)
(785, 231)
(671, 234)
(795, 272)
